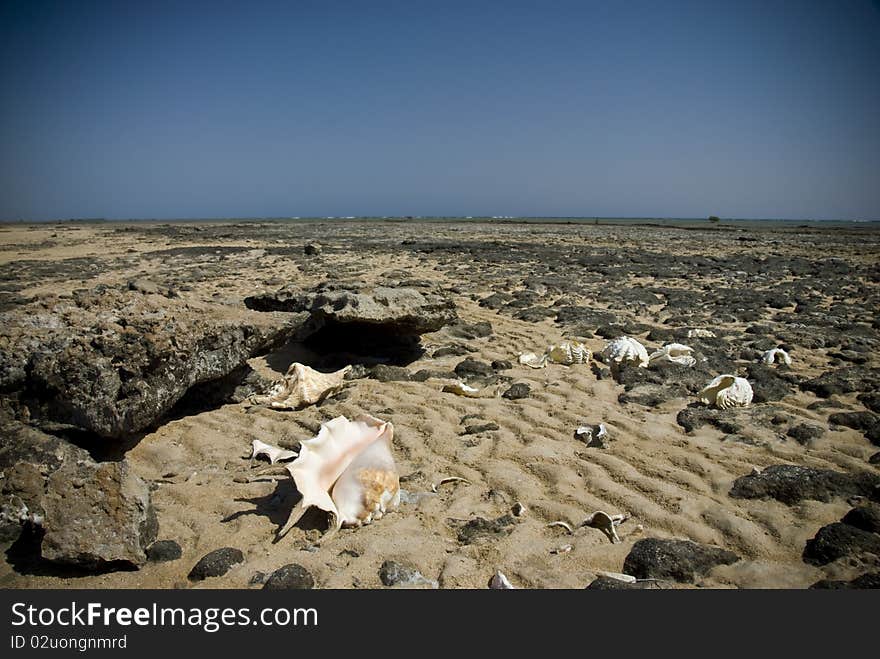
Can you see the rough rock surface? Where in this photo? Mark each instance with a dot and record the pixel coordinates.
(838, 540)
(865, 517)
(790, 484)
(401, 310)
(393, 573)
(93, 514)
(869, 580)
(216, 563)
(678, 560)
(113, 361)
(96, 514)
(290, 577)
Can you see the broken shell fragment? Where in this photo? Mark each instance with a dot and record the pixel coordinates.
(301, 386)
(348, 471)
(700, 334)
(675, 353)
(274, 453)
(562, 549)
(625, 350)
(727, 391)
(594, 436)
(449, 479)
(564, 525)
(606, 523)
(568, 353)
(776, 356)
(532, 360)
(500, 582)
(462, 389)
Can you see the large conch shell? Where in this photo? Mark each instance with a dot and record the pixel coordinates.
(626, 350)
(727, 391)
(348, 471)
(566, 353)
(675, 353)
(301, 386)
(776, 355)
(274, 453)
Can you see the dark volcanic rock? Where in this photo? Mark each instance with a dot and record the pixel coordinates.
(290, 577)
(610, 583)
(865, 517)
(804, 433)
(517, 391)
(678, 560)
(838, 540)
(311, 249)
(867, 422)
(162, 551)
(385, 373)
(471, 367)
(470, 331)
(392, 573)
(790, 484)
(455, 350)
(478, 428)
(869, 580)
(502, 364)
(216, 563)
(399, 310)
(115, 362)
(871, 401)
(844, 381)
(480, 528)
(769, 383)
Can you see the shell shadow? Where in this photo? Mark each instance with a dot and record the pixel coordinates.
(277, 506)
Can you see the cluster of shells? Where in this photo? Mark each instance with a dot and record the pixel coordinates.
(348, 469)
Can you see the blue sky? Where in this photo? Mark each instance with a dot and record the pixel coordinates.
(615, 108)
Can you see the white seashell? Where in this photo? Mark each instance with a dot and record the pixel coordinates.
(532, 360)
(593, 436)
(274, 453)
(348, 471)
(626, 350)
(568, 353)
(675, 353)
(700, 334)
(727, 391)
(500, 582)
(626, 578)
(301, 386)
(606, 523)
(775, 356)
(462, 389)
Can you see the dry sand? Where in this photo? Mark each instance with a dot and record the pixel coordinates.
(671, 484)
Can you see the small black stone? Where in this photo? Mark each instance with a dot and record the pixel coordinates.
(517, 391)
(290, 577)
(838, 540)
(865, 517)
(216, 563)
(804, 433)
(869, 580)
(311, 249)
(502, 364)
(679, 560)
(478, 428)
(163, 550)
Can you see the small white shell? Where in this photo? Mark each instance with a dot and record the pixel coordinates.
(301, 386)
(348, 471)
(592, 436)
(700, 334)
(274, 453)
(606, 523)
(500, 582)
(626, 350)
(568, 353)
(461, 389)
(775, 356)
(675, 353)
(727, 391)
(532, 360)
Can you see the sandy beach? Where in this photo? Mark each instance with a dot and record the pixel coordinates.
(516, 288)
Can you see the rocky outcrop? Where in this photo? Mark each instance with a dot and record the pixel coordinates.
(397, 310)
(791, 483)
(114, 362)
(89, 514)
(677, 560)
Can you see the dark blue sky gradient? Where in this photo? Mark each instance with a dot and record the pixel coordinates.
(763, 109)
